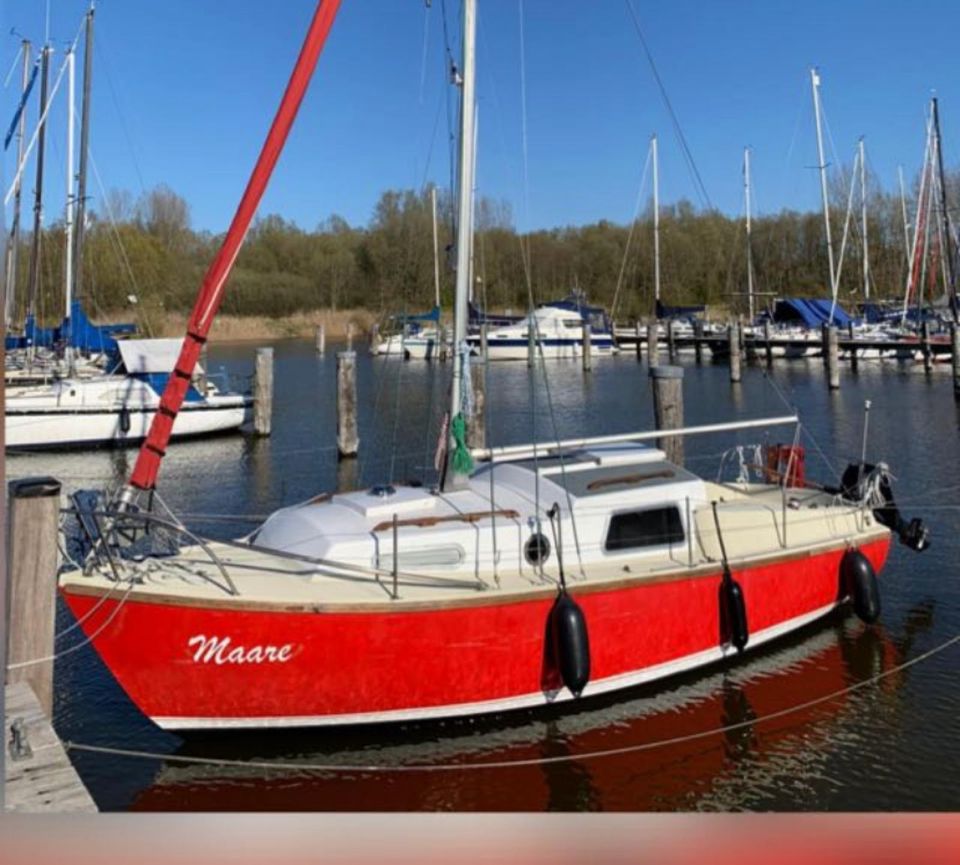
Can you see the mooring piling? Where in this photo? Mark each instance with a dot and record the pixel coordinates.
(767, 344)
(34, 525)
(477, 422)
(831, 355)
(667, 383)
(925, 346)
(587, 347)
(854, 358)
(263, 392)
(653, 344)
(733, 341)
(321, 340)
(349, 336)
(671, 341)
(638, 327)
(348, 438)
(955, 352)
(698, 340)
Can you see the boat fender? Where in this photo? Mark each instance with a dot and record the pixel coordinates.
(571, 647)
(735, 613)
(860, 582)
(125, 420)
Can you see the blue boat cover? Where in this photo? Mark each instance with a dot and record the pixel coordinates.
(77, 331)
(810, 312)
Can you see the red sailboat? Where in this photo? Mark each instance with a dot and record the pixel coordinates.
(551, 571)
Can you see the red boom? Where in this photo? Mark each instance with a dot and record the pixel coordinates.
(144, 475)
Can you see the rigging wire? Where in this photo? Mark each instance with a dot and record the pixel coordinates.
(633, 227)
(699, 186)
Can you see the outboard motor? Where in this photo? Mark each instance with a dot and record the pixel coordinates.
(862, 482)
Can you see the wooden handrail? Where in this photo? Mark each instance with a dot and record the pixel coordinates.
(471, 517)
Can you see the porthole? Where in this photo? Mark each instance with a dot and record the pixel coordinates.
(537, 549)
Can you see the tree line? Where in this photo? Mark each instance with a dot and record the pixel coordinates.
(144, 253)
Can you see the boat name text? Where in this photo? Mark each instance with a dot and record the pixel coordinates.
(217, 650)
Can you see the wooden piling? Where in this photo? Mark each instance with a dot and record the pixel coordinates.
(321, 340)
(263, 392)
(698, 340)
(484, 346)
(348, 439)
(733, 341)
(925, 346)
(667, 382)
(653, 344)
(831, 356)
(671, 341)
(34, 523)
(639, 331)
(476, 423)
(374, 338)
(767, 344)
(854, 359)
(531, 342)
(587, 347)
(349, 336)
(955, 351)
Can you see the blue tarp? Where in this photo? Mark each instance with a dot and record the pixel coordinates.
(595, 315)
(77, 331)
(478, 316)
(810, 312)
(677, 311)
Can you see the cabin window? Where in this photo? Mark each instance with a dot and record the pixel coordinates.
(653, 527)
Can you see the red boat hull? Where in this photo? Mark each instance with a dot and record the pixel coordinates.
(189, 665)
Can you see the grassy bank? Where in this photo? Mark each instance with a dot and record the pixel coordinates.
(241, 328)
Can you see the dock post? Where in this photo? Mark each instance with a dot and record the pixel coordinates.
(925, 346)
(831, 356)
(32, 600)
(854, 359)
(321, 340)
(349, 336)
(639, 330)
(733, 340)
(671, 341)
(204, 370)
(955, 352)
(477, 422)
(483, 341)
(653, 344)
(348, 439)
(263, 392)
(587, 347)
(374, 338)
(768, 346)
(531, 341)
(698, 339)
(667, 382)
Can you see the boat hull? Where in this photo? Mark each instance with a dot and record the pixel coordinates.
(549, 349)
(200, 664)
(67, 427)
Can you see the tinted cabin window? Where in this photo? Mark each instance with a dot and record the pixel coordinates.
(650, 528)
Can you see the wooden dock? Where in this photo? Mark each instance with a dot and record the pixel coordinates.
(44, 781)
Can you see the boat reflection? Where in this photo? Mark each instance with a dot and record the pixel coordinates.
(540, 759)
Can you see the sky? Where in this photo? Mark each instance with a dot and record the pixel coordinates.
(184, 91)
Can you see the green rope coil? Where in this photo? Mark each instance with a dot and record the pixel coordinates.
(462, 461)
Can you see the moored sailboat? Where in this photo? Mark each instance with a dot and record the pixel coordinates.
(553, 571)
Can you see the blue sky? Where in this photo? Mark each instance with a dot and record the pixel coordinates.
(185, 90)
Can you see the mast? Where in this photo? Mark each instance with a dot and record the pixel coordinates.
(903, 213)
(436, 249)
(464, 222)
(746, 196)
(815, 84)
(947, 250)
(656, 223)
(144, 476)
(81, 207)
(68, 213)
(863, 220)
(912, 259)
(10, 283)
(38, 193)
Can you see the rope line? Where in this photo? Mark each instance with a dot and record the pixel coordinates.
(510, 764)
